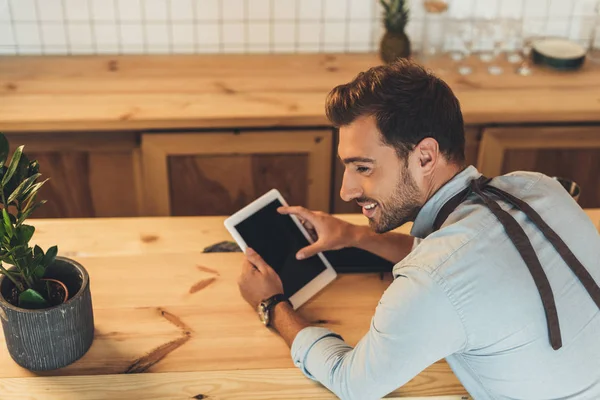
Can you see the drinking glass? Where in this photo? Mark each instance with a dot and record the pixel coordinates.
(533, 30)
(513, 40)
(460, 37)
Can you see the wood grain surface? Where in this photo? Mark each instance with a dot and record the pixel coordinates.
(221, 185)
(146, 92)
(170, 322)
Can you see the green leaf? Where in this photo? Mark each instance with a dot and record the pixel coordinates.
(27, 213)
(34, 168)
(4, 148)
(32, 191)
(39, 271)
(19, 176)
(50, 256)
(22, 188)
(12, 167)
(24, 233)
(37, 251)
(32, 300)
(7, 223)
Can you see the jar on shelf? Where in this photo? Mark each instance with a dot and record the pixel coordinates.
(433, 28)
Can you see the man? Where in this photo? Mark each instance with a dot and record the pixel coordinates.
(482, 286)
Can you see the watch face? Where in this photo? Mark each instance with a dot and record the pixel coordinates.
(262, 313)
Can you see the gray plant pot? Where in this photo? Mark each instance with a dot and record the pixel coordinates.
(51, 338)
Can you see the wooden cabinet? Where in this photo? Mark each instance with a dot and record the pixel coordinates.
(123, 174)
(91, 174)
(219, 173)
(472, 134)
(571, 152)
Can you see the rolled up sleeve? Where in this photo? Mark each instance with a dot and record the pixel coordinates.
(415, 325)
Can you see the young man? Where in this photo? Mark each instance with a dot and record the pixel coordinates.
(501, 280)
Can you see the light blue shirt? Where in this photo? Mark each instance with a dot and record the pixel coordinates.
(465, 294)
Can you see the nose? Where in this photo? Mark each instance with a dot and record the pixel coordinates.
(350, 189)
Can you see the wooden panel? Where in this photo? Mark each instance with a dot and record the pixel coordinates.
(259, 384)
(571, 152)
(113, 184)
(68, 191)
(90, 175)
(238, 151)
(472, 137)
(579, 165)
(221, 185)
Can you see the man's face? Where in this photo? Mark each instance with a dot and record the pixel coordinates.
(376, 178)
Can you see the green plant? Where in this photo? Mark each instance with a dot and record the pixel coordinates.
(18, 192)
(395, 15)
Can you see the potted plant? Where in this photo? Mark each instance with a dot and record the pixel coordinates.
(394, 43)
(45, 300)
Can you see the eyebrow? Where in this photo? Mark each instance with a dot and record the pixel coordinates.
(358, 159)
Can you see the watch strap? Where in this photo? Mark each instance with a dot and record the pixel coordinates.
(270, 304)
(272, 301)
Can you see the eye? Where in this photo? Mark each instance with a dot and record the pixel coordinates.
(362, 170)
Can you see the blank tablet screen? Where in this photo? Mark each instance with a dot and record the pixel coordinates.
(277, 239)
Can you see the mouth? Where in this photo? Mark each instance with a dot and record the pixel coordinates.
(369, 209)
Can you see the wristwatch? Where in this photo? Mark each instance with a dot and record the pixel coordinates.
(266, 306)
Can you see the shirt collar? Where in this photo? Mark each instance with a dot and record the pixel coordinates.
(423, 224)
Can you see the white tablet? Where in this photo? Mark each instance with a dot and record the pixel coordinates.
(277, 238)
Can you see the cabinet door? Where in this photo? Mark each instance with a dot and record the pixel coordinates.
(91, 175)
(569, 152)
(472, 135)
(219, 173)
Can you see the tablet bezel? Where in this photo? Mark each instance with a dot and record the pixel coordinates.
(316, 284)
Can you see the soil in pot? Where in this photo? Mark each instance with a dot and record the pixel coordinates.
(53, 290)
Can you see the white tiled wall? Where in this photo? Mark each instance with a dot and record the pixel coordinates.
(245, 26)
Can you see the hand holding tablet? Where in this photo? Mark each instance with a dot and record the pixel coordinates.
(277, 238)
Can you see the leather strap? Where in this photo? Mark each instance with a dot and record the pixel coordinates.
(518, 237)
(272, 301)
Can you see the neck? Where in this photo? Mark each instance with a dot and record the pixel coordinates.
(440, 176)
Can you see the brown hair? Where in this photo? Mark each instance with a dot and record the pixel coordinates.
(408, 103)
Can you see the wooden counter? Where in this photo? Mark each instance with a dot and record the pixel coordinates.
(170, 322)
(149, 92)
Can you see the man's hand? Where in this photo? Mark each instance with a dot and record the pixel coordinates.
(329, 233)
(258, 281)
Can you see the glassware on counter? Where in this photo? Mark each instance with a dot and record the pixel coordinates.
(533, 30)
(498, 40)
(514, 40)
(433, 28)
(460, 33)
(593, 50)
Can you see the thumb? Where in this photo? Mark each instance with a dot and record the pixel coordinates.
(256, 260)
(310, 251)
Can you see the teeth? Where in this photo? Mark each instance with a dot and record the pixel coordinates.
(370, 206)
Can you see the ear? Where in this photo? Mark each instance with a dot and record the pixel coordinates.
(428, 154)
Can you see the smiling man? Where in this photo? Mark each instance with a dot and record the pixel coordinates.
(501, 280)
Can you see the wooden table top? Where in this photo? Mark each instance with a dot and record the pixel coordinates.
(200, 91)
(170, 322)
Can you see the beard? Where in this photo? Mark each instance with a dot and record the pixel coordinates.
(402, 206)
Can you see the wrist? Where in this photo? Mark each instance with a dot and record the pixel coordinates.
(278, 312)
(359, 235)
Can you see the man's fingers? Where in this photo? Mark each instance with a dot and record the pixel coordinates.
(256, 260)
(247, 266)
(298, 211)
(308, 225)
(310, 251)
